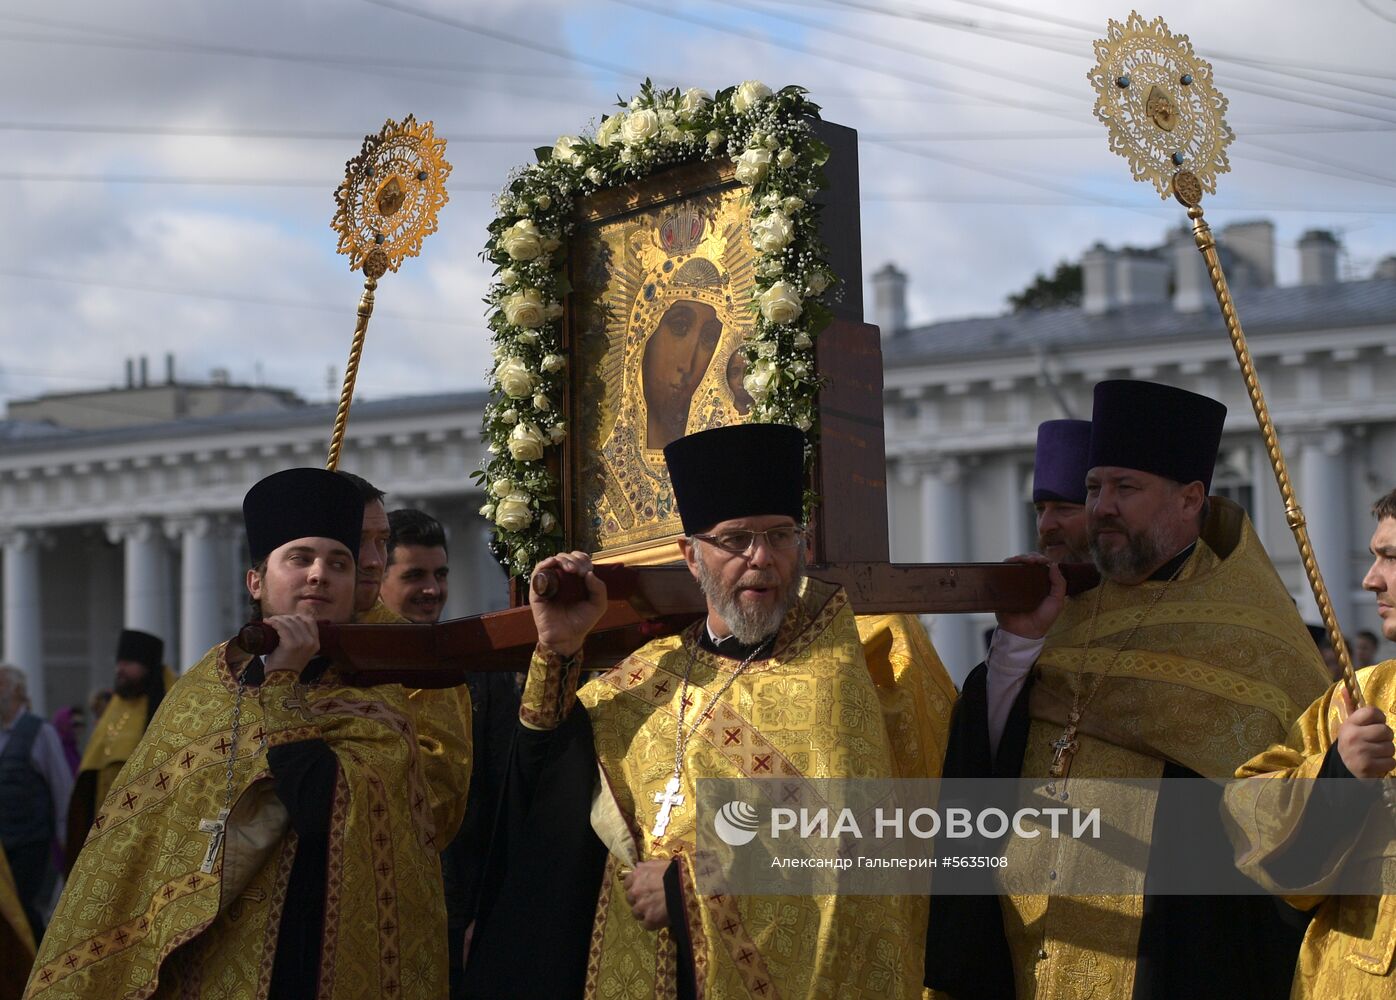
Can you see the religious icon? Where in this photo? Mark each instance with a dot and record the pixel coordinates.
(661, 305)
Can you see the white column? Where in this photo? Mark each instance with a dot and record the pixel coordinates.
(1323, 494)
(146, 575)
(200, 590)
(944, 538)
(23, 619)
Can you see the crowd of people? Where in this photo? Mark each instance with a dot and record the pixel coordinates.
(258, 827)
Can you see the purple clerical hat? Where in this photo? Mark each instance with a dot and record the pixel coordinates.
(1059, 466)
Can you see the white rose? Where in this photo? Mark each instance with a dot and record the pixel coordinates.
(568, 150)
(594, 175)
(770, 142)
(671, 134)
(694, 100)
(524, 308)
(512, 513)
(553, 311)
(502, 487)
(772, 232)
(802, 341)
(529, 337)
(510, 415)
(715, 139)
(792, 205)
(780, 303)
(627, 154)
(544, 201)
(541, 402)
(804, 423)
(610, 128)
(514, 378)
(766, 349)
(509, 276)
(798, 368)
(487, 512)
(522, 559)
(521, 240)
(636, 102)
(753, 165)
(526, 443)
(786, 158)
(666, 116)
(760, 379)
(817, 281)
(551, 363)
(548, 523)
(748, 94)
(557, 433)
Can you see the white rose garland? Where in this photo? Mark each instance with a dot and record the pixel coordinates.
(767, 136)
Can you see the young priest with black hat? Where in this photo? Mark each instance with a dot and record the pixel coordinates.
(1186, 660)
(139, 685)
(273, 835)
(774, 681)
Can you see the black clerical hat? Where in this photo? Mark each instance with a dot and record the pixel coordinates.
(1156, 428)
(745, 470)
(1059, 465)
(301, 503)
(141, 647)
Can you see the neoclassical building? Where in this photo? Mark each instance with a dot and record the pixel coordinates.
(140, 525)
(122, 507)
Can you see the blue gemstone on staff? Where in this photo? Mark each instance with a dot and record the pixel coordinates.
(1186, 80)
(1178, 159)
(1122, 81)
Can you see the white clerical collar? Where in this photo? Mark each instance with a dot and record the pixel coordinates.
(713, 637)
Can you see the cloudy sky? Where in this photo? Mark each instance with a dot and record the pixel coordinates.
(169, 167)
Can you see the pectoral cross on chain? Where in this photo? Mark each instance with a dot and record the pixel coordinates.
(1064, 748)
(667, 800)
(215, 829)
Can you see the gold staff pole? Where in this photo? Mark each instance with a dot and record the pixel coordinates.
(385, 206)
(1165, 117)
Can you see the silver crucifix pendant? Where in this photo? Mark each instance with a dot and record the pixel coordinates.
(667, 800)
(214, 828)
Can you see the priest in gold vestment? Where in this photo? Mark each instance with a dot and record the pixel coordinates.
(598, 829)
(1183, 662)
(275, 833)
(141, 680)
(1349, 948)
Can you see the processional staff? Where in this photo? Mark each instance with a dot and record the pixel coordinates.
(1157, 99)
(385, 206)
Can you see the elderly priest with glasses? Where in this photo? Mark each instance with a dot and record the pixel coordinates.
(593, 857)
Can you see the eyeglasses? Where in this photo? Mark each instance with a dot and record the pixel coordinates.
(740, 541)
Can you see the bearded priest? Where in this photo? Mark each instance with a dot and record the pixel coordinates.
(593, 859)
(1186, 660)
(274, 834)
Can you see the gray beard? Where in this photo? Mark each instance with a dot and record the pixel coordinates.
(1141, 554)
(749, 625)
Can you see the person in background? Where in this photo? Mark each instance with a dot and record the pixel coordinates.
(35, 783)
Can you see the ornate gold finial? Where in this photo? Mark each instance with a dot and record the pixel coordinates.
(1164, 115)
(391, 193)
(385, 206)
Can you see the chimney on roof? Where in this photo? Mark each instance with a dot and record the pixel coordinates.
(889, 300)
(1098, 280)
(1192, 290)
(1141, 277)
(1252, 244)
(1318, 258)
(1386, 268)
